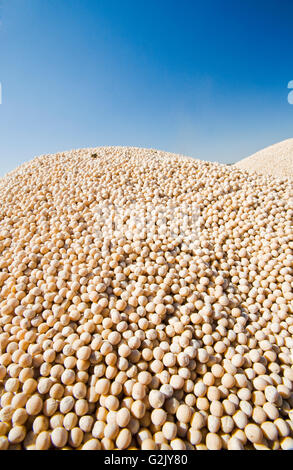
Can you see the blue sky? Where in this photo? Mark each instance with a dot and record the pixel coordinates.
(206, 79)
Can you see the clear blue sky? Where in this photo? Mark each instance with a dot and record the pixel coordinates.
(203, 78)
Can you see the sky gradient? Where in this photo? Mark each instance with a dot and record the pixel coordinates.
(205, 79)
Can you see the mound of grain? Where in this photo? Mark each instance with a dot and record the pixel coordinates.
(146, 303)
(276, 160)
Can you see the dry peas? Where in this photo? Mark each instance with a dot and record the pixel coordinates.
(146, 302)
